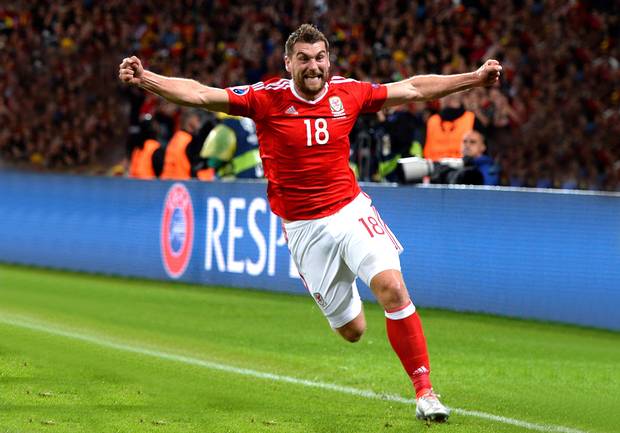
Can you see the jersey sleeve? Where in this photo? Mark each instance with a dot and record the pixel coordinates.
(373, 97)
(244, 101)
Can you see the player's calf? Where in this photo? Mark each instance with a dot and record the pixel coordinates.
(353, 331)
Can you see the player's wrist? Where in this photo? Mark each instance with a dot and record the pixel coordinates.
(476, 78)
(147, 80)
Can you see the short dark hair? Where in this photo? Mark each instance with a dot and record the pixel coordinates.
(305, 33)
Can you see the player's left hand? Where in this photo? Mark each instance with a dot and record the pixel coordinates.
(489, 73)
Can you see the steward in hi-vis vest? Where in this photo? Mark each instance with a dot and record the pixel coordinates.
(443, 137)
(176, 163)
(142, 160)
(445, 130)
(181, 160)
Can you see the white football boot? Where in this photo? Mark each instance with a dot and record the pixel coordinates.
(429, 408)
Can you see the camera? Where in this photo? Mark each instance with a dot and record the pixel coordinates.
(414, 169)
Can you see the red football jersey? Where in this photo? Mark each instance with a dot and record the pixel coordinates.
(304, 145)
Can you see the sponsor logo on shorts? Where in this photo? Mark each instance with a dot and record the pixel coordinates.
(177, 230)
(240, 90)
(319, 299)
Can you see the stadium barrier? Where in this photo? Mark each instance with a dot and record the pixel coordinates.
(543, 254)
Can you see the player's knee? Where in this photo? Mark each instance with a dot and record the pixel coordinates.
(390, 290)
(352, 335)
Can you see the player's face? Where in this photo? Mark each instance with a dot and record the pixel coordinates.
(309, 67)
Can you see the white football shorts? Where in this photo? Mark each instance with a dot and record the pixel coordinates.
(331, 252)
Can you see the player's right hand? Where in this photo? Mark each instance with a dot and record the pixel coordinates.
(489, 73)
(130, 70)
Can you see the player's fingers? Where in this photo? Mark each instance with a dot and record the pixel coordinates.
(126, 69)
(126, 75)
(132, 63)
(495, 71)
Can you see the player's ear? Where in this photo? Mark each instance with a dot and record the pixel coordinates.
(287, 64)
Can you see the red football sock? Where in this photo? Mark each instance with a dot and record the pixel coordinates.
(405, 333)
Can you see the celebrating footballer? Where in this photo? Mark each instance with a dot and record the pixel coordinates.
(333, 231)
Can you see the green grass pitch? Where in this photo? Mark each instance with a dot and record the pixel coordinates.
(83, 353)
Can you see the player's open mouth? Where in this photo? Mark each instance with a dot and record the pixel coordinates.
(314, 79)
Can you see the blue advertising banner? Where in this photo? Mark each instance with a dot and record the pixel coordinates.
(540, 254)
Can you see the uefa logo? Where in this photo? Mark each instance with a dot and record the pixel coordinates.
(240, 90)
(177, 230)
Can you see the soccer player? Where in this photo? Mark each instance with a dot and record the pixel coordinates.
(333, 231)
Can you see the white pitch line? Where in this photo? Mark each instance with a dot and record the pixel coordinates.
(41, 327)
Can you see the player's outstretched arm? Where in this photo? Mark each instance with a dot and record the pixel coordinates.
(177, 90)
(428, 87)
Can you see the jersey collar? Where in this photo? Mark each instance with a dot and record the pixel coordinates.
(313, 101)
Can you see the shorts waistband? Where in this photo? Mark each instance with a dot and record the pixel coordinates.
(291, 225)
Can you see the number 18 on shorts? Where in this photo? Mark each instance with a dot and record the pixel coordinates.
(331, 252)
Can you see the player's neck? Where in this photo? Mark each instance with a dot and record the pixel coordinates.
(307, 97)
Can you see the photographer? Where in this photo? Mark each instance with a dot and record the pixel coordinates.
(475, 168)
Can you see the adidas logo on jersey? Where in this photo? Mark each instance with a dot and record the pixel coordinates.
(291, 110)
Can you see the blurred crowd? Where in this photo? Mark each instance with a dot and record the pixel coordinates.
(59, 106)
(554, 121)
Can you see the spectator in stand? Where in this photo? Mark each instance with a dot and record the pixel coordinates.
(477, 101)
(561, 61)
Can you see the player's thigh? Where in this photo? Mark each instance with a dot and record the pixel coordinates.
(371, 247)
(323, 271)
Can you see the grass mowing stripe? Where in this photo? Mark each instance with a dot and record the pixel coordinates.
(26, 323)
